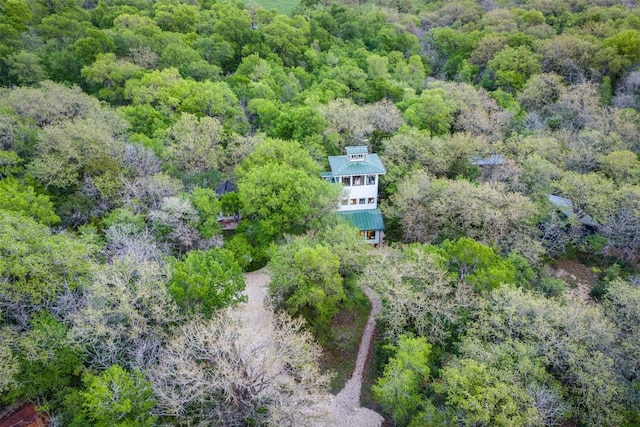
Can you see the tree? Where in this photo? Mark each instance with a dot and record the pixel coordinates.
(626, 45)
(125, 315)
(207, 280)
(481, 398)
(622, 226)
(576, 342)
(513, 66)
(53, 104)
(194, 143)
(23, 199)
(418, 295)
(24, 68)
(216, 372)
(37, 266)
(49, 363)
(305, 281)
(477, 264)
(115, 398)
(279, 186)
(70, 152)
(432, 210)
(589, 192)
(187, 223)
(432, 112)
(399, 388)
(620, 304)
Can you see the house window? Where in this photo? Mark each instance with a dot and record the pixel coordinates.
(344, 201)
(370, 234)
(361, 201)
(371, 180)
(346, 180)
(352, 201)
(371, 200)
(358, 180)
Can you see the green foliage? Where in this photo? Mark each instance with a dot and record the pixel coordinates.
(305, 281)
(477, 263)
(279, 186)
(23, 199)
(431, 111)
(476, 392)
(36, 264)
(206, 281)
(230, 203)
(208, 207)
(69, 152)
(399, 390)
(9, 163)
(115, 398)
(48, 361)
(514, 66)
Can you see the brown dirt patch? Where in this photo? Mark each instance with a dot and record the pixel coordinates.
(580, 278)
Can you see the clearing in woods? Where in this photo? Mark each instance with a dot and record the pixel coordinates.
(282, 6)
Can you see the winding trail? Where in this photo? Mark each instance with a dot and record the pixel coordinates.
(342, 410)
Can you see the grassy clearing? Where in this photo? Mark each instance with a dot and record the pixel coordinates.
(341, 352)
(282, 6)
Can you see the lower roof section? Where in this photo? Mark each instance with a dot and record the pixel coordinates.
(365, 219)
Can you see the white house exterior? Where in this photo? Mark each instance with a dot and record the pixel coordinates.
(359, 172)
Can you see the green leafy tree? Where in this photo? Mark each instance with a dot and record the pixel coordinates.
(474, 390)
(48, 362)
(305, 281)
(477, 263)
(116, 398)
(431, 111)
(513, 66)
(36, 265)
(207, 280)
(72, 151)
(399, 390)
(15, 197)
(627, 44)
(280, 187)
(193, 144)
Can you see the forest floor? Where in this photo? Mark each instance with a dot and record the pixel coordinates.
(580, 278)
(343, 409)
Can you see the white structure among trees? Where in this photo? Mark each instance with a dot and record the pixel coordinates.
(358, 172)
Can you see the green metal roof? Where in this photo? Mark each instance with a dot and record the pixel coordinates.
(356, 149)
(366, 219)
(340, 165)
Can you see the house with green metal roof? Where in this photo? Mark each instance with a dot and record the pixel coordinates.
(358, 172)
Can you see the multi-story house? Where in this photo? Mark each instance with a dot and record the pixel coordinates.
(358, 172)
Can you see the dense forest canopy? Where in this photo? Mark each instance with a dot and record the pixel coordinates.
(510, 131)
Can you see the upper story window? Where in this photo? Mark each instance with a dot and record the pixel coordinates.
(358, 180)
(346, 180)
(371, 180)
(356, 157)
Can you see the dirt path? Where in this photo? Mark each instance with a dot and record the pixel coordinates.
(344, 409)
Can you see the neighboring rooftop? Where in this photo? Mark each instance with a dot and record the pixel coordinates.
(368, 219)
(365, 163)
(226, 187)
(494, 159)
(565, 206)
